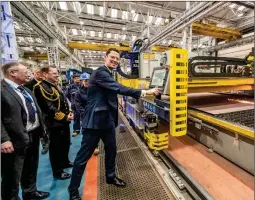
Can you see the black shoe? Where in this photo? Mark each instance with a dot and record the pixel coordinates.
(116, 181)
(62, 175)
(68, 165)
(36, 195)
(74, 195)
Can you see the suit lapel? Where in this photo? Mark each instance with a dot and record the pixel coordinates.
(13, 93)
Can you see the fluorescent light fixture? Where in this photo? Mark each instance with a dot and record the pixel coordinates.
(125, 15)
(101, 11)
(158, 20)
(114, 13)
(74, 31)
(150, 18)
(77, 7)
(116, 36)
(167, 20)
(240, 8)
(38, 40)
(164, 42)
(30, 39)
(170, 42)
(63, 5)
(135, 17)
(133, 37)
(108, 35)
(90, 9)
(124, 28)
(133, 11)
(99, 34)
(92, 33)
(232, 5)
(124, 37)
(81, 22)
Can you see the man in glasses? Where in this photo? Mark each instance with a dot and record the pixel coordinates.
(100, 121)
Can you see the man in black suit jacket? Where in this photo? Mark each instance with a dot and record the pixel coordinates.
(30, 85)
(100, 121)
(21, 127)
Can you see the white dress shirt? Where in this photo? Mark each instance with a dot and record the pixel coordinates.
(30, 126)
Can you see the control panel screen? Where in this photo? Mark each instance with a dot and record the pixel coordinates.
(158, 78)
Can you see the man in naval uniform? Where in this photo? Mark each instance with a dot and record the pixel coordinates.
(57, 116)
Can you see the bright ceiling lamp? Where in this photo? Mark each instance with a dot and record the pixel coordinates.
(77, 7)
(63, 5)
(99, 34)
(101, 11)
(124, 37)
(133, 37)
(114, 13)
(158, 20)
(90, 9)
(116, 36)
(135, 17)
(92, 33)
(74, 31)
(125, 15)
(108, 35)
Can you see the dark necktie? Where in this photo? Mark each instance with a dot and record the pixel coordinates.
(30, 108)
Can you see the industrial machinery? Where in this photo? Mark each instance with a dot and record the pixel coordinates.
(197, 102)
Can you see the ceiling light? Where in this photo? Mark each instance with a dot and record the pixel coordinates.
(133, 11)
(114, 13)
(125, 14)
(101, 11)
(124, 28)
(135, 17)
(240, 8)
(99, 34)
(116, 36)
(133, 37)
(164, 42)
(108, 35)
(81, 22)
(92, 33)
(158, 20)
(124, 37)
(232, 5)
(77, 7)
(74, 31)
(239, 14)
(90, 9)
(63, 5)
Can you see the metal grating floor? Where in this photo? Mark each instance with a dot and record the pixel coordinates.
(133, 167)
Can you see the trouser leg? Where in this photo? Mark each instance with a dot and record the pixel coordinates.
(89, 142)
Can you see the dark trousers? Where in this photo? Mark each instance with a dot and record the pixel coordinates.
(45, 141)
(59, 147)
(88, 145)
(20, 166)
(76, 121)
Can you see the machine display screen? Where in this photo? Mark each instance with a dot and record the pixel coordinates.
(158, 78)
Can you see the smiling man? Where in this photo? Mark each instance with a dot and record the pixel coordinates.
(100, 121)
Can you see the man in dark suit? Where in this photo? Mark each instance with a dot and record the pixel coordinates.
(100, 121)
(30, 85)
(57, 118)
(21, 127)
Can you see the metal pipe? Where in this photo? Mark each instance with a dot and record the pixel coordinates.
(242, 41)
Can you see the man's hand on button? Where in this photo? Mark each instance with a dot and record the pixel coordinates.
(154, 91)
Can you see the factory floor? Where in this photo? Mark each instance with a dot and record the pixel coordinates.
(131, 165)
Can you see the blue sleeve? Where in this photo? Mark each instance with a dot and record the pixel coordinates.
(104, 80)
(78, 101)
